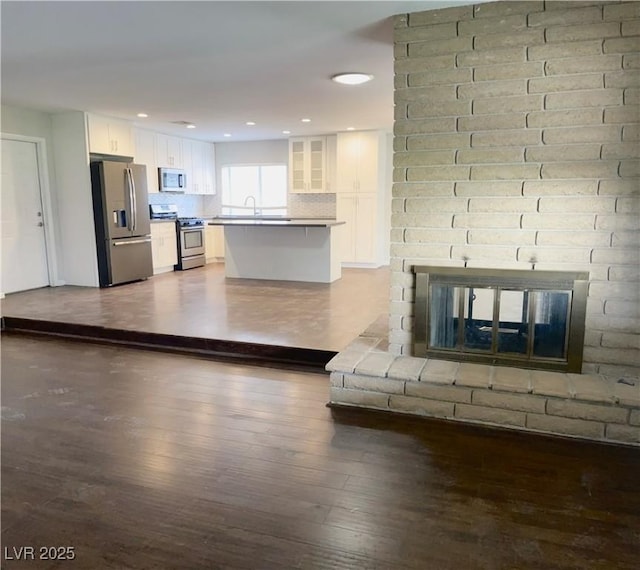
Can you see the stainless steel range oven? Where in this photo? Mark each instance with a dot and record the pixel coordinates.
(190, 232)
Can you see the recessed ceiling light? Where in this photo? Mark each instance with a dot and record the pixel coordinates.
(286, 132)
(306, 120)
(250, 123)
(191, 126)
(352, 78)
(142, 115)
(226, 135)
(351, 129)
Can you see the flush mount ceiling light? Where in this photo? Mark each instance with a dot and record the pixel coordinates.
(142, 115)
(306, 120)
(286, 132)
(352, 78)
(250, 123)
(191, 126)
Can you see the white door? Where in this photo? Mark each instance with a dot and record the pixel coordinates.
(24, 252)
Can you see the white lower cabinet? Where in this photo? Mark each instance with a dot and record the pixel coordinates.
(214, 243)
(164, 246)
(357, 237)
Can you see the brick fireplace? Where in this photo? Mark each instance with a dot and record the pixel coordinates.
(517, 129)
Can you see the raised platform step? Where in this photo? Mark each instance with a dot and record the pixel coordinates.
(247, 353)
(585, 406)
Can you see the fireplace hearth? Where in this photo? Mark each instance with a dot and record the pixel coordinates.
(528, 319)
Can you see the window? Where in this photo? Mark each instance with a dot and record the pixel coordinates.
(264, 183)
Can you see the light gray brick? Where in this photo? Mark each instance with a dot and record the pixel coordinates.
(345, 361)
(573, 238)
(506, 25)
(336, 379)
(494, 188)
(626, 434)
(582, 32)
(623, 256)
(577, 204)
(565, 426)
(373, 384)
(506, 138)
(491, 56)
(590, 387)
(621, 79)
(422, 251)
(554, 153)
(565, 49)
(622, 115)
(621, 150)
(439, 372)
(420, 109)
(358, 398)
(522, 38)
(501, 237)
(627, 395)
(505, 172)
(424, 126)
(492, 122)
(614, 323)
(566, 17)
(490, 155)
(620, 340)
(634, 418)
(415, 189)
(492, 89)
(631, 133)
(438, 141)
(580, 169)
(419, 64)
(629, 168)
(583, 65)
(561, 188)
(375, 364)
(563, 83)
(451, 172)
(631, 61)
(483, 254)
(550, 383)
(432, 94)
(626, 10)
(450, 237)
(438, 392)
(569, 117)
(421, 406)
(517, 402)
(473, 375)
(484, 221)
(516, 104)
(600, 413)
(439, 77)
(586, 98)
(617, 222)
(609, 290)
(406, 368)
(524, 70)
(561, 221)
(554, 255)
(440, 47)
(496, 10)
(621, 45)
(510, 379)
(414, 33)
(625, 239)
(421, 220)
(423, 158)
(435, 204)
(625, 273)
(503, 204)
(490, 415)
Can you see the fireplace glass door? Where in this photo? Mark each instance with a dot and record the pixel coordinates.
(509, 322)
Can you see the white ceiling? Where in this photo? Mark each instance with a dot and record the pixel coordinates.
(216, 64)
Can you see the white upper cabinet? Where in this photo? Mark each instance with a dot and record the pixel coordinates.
(146, 154)
(200, 166)
(308, 165)
(110, 136)
(169, 151)
(360, 166)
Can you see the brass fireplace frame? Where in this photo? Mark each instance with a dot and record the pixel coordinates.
(503, 279)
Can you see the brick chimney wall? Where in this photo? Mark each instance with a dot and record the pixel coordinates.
(516, 142)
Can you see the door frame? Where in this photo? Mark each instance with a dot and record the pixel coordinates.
(46, 203)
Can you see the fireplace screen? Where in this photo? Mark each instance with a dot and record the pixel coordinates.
(522, 318)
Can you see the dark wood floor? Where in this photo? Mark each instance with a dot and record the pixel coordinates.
(140, 459)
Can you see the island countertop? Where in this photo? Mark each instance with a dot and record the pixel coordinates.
(274, 222)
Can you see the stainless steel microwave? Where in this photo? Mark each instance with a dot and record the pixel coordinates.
(172, 180)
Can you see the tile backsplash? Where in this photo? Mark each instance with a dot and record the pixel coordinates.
(188, 204)
(312, 205)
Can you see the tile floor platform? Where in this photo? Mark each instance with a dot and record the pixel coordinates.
(201, 311)
(586, 406)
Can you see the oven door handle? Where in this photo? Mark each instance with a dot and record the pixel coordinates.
(131, 242)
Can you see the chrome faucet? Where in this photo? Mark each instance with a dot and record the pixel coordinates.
(255, 212)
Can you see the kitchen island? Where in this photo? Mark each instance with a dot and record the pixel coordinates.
(287, 249)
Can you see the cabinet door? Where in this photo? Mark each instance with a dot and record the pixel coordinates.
(164, 248)
(347, 157)
(145, 153)
(98, 128)
(208, 168)
(297, 182)
(189, 161)
(169, 151)
(368, 167)
(316, 164)
(110, 136)
(121, 137)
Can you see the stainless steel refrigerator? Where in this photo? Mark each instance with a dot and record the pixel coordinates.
(121, 216)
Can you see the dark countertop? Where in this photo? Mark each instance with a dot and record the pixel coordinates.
(284, 223)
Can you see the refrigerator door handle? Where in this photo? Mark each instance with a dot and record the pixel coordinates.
(131, 242)
(134, 209)
(132, 199)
